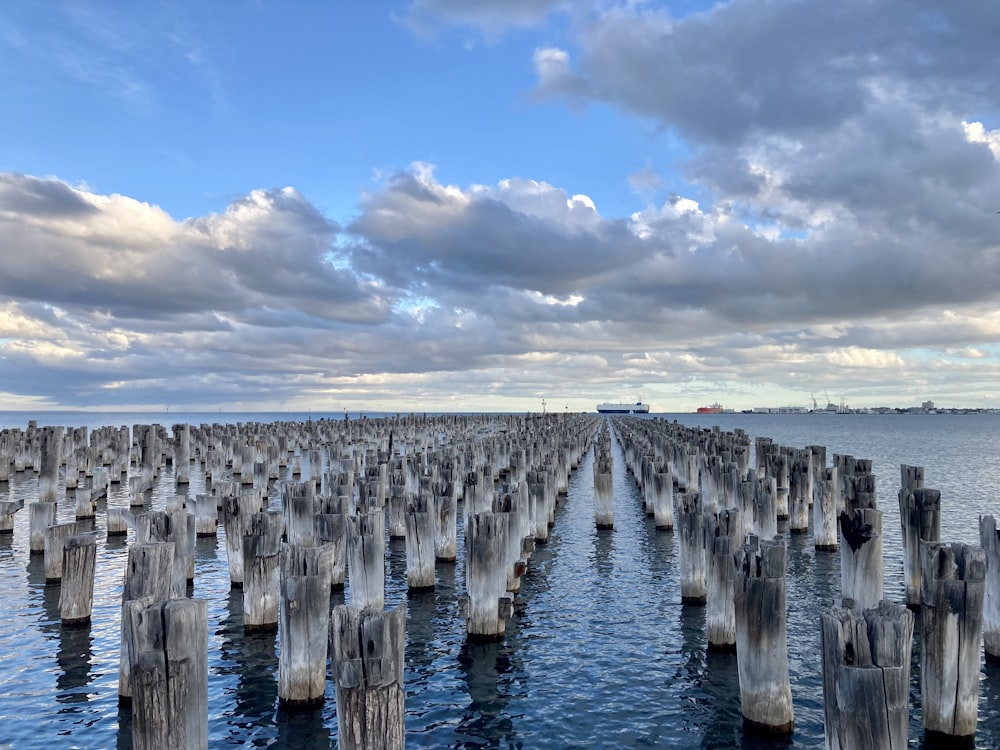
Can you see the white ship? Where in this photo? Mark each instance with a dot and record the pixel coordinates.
(637, 408)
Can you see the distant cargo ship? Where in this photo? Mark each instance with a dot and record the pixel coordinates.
(715, 408)
(637, 408)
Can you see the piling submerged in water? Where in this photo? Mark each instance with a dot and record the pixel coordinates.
(505, 484)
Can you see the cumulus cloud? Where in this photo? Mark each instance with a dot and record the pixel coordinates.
(450, 296)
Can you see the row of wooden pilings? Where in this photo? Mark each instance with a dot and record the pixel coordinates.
(733, 561)
(367, 479)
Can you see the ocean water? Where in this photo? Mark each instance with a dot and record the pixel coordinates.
(599, 653)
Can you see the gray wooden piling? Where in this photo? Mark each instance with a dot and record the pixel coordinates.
(366, 560)
(118, 520)
(85, 506)
(41, 515)
(331, 531)
(920, 518)
(663, 500)
(486, 604)
(7, 510)
(691, 528)
(206, 516)
(48, 476)
(304, 621)
(952, 592)
(55, 537)
(799, 498)
(236, 517)
(861, 570)
(866, 675)
(168, 648)
(147, 574)
(723, 535)
(420, 523)
(604, 492)
(76, 594)
(368, 660)
(445, 528)
(261, 581)
(298, 506)
(825, 520)
(990, 540)
(761, 636)
(182, 453)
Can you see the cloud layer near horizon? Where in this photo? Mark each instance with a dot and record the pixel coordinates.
(845, 239)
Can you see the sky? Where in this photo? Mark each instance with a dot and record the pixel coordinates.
(456, 205)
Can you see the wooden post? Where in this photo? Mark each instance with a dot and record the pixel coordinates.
(990, 540)
(866, 676)
(55, 537)
(168, 648)
(260, 581)
(861, 570)
(487, 604)
(920, 517)
(663, 500)
(118, 521)
(366, 560)
(368, 659)
(331, 531)
(799, 483)
(236, 516)
(952, 591)
(7, 510)
(40, 517)
(147, 574)
(182, 453)
(76, 594)
(691, 527)
(304, 621)
(723, 535)
(825, 536)
(761, 636)
(298, 504)
(48, 476)
(206, 516)
(446, 529)
(604, 491)
(420, 523)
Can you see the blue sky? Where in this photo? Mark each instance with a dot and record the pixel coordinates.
(436, 204)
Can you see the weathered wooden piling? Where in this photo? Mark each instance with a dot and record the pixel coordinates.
(825, 513)
(236, 517)
(182, 453)
(55, 537)
(799, 498)
(486, 604)
(990, 540)
(7, 510)
(261, 581)
(118, 520)
(920, 518)
(366, 560)
(866, 675)
(761, 636)
(48, 475)
(368, 660)
(147, 574)
(168, 648)
(663, 500)
(420, 523)
(604, 491)
(206, 516)
(952, 591)
(723, 535)
(861, 571)
(331, 531)
(445, 528)
(76, 594)
(40, 517)
(691, 528)
(304, 621)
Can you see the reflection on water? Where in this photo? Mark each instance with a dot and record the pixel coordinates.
(485, 722)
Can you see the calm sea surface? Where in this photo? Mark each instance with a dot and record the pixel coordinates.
(599, 653)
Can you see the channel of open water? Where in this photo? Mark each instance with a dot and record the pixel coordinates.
(599, 654)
